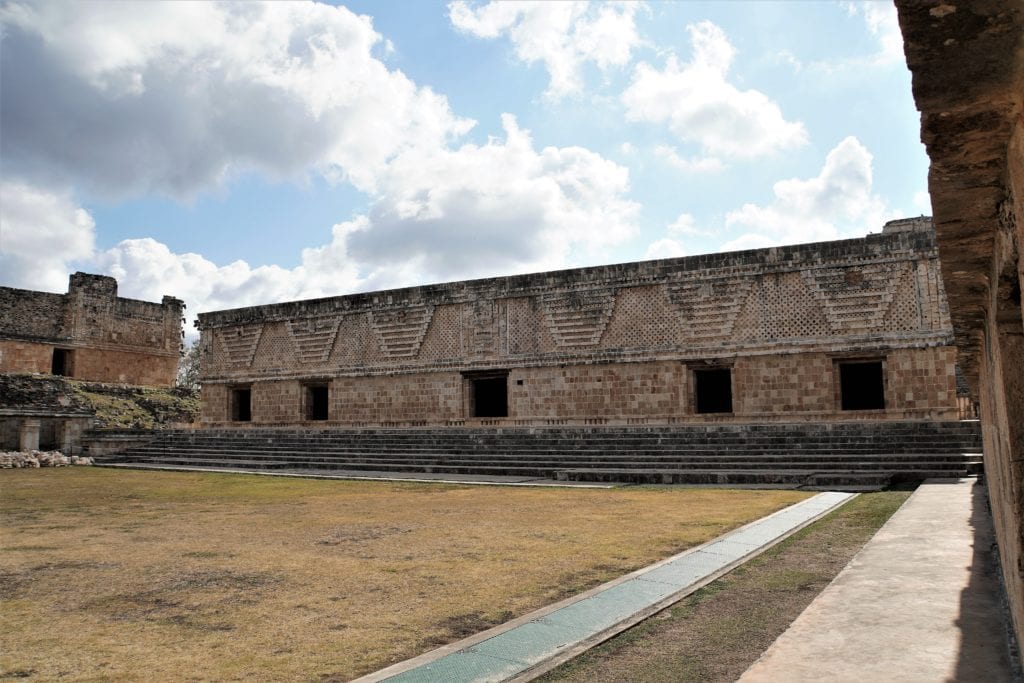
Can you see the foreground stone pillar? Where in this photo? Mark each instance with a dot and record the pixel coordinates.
(28, 435)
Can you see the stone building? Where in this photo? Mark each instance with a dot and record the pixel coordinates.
(90, 333)
(848, 330)
(967, 63)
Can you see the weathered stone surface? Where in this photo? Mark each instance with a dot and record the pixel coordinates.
(108, 338)
(967, 62)
(615, 344)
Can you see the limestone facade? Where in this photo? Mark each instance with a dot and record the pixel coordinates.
(774, 334)
(90, 333)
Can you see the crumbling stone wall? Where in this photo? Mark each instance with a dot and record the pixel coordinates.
(967, 62)
(106, 338)
(606, 345)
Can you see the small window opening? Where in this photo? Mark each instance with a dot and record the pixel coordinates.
(490, 397)
(241, 405)
(714, 390)
(316, 402)
(61, 364)
(862, 385)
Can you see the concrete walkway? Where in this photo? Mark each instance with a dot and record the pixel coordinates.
(536, 642)
(920, 602)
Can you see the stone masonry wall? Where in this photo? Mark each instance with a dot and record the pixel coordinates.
(110, 339)
(607, 343)
(967, 63)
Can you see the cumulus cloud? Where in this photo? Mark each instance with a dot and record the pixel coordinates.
(691, 165)
(685, 225)
(882, 22)
(499, 207)
(41, 234)
(838, 202)
(172, 98)
(700, 106)
(564, 36)
(132, 99)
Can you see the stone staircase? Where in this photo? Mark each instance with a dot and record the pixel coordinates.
(849, 456)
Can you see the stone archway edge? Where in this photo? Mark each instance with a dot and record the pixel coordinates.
(526, 647)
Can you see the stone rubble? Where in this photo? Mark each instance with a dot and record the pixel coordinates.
(11, 459)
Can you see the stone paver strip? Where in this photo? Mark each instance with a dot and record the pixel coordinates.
(534, 643)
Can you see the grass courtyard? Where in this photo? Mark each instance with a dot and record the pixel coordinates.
(129, 575)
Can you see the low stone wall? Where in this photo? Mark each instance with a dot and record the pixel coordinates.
(17, 459)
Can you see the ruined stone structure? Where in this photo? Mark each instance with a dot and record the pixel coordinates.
(848, 330)
(90, 333)
(967, 62)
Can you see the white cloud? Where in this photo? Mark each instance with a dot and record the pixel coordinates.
(564, 36)
(172, 98)
(501, 207)
(691, 165)
(41, 234)
(666, 247)
(700, 106)
(685, 225)
(882, 21)
(838, 202)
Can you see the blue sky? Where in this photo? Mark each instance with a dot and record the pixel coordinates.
(238, 154)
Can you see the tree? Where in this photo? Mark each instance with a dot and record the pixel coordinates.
(189, 366)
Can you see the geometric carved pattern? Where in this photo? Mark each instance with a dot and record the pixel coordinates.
(401, 330)
(314, 337)
(578, 318)
(709, 307)
(855, 298)
(240, 342)
(483, 326)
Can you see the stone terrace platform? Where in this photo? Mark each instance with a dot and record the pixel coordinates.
(848, 456)
(920, 602)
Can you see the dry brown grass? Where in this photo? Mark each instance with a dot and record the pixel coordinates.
(124, 575)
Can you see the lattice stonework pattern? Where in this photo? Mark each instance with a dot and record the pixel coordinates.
(709, 308)
(578, 318)
(314, 337)
(856, 298)
(401, 331)
(239, 343)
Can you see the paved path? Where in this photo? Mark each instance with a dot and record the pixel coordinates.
(920, 602)
(539, 641)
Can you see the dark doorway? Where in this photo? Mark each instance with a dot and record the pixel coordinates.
(61, 363)
(316, 402)
(862, 385)
(490, 397)
(714, 390)
(241, 405)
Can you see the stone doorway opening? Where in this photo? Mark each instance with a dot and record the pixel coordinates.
(713, 390)
(488, 394)
(62, 363)
(241, 404)
(316, 401)
(862, 385)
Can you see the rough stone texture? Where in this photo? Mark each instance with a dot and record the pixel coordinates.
(967, 61)
(110, 339)
(607, 345)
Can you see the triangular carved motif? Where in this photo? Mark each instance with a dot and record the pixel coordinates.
(401, 331)
(855, 298)
(314, 337)
(239, 343)
(578, 318)
(709, 307)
